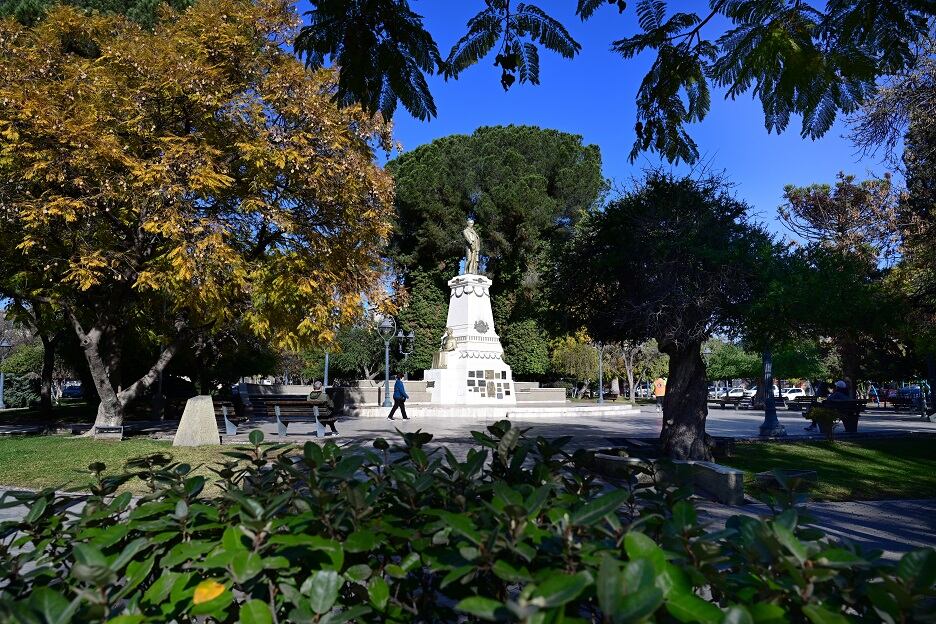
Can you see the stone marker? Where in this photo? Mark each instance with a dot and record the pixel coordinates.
(198, 425)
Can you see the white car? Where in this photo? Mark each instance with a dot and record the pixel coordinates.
(789, 394)
(734, 393)
(750, 392)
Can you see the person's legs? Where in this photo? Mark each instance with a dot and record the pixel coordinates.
(332, 425)
(403, 409)
(396, 404)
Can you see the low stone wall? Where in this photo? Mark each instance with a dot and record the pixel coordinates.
(720, 483)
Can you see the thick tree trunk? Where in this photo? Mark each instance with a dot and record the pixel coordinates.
(685, 405)
(114, 401)
(48, 368)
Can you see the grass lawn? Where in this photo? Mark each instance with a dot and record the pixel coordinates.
(62, 461)
(866, 470)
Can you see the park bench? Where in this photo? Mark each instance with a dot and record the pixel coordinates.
(849, 411)
(293, 409)
(227, 418)
(800, 403)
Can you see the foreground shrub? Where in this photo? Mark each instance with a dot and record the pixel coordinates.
(519, 531)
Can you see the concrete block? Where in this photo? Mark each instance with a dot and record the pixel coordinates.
(198, 426)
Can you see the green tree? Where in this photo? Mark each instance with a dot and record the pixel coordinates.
(425, 315)
(813, 59)
(674, 259)
(526, 187)
(575, 356)
(728, 360)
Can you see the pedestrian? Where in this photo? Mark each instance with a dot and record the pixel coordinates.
(399, 397)
(659, 391)
(873, 395)
(840, 393)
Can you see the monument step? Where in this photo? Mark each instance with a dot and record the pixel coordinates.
(496, 412)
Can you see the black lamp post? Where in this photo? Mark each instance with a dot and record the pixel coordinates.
(600, 372)
(4, 351)
(405, 343)
(387, 328)
(771, 426)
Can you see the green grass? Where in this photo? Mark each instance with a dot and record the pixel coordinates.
(867, 470)
(62, 462)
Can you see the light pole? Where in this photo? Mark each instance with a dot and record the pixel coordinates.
(387, 329)
(4, 350)
(325, 380)
(771, 426)
(600, 372)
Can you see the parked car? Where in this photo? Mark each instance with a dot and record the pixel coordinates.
(72, 392)
(790, 394)
(734, 393)
(750, 392)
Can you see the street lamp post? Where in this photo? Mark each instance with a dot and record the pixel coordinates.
(4, 350)
(600, 372)
(387, 329)
(405, 343)
(325, 380)
(771, 426)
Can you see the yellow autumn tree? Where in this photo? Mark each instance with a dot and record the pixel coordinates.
(197, 167)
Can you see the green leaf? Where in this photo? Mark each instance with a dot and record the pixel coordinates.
(737, 615)
(52, 605)
(918, 569)
(484, 608)
(36, 511)
(323, 587)
(785, 536)
(768, 613)
(507, 572)
(255, 612)
(255, 437)
(559, 589)
(245, 567)
(594, 510)
(639, 546)
(378, 592)
(360, 541)
(820, 615)
(608, 586)
(687, 607)
(638, 605)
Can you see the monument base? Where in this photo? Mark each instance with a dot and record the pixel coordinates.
(492, 413)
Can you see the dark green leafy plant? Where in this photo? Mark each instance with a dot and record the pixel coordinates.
(518, 531)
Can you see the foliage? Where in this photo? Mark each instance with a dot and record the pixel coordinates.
(425, 315)
(357, 352)
(526, 347)
(26, 358)
(199, 169)
(511, 26)
(519, 531)
(674, 259)
(143, 12)
(526, 187)
(575, 355)
(728, 360)
(812, 59)
(859, 218)
(21, 390)
(382, 49)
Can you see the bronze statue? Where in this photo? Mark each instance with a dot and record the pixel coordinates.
(473, 249)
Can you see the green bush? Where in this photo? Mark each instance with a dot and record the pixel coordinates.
(21, 390)
(25, 359)
(519, 531)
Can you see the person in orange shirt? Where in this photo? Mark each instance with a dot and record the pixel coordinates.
(659, 391)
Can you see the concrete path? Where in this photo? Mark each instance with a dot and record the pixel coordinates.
(895, 526)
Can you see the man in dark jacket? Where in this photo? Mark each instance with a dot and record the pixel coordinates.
(399, 397)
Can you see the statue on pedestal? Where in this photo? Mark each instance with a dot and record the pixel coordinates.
(448, 340)
(473, 249)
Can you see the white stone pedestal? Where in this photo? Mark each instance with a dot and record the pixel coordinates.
(475, 372)
(198, 425)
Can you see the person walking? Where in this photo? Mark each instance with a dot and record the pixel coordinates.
(659, 391)
(399, 397)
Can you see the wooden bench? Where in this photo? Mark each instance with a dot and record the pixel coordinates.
(286, 412)
(800, 403)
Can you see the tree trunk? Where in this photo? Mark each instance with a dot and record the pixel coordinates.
(114, 401)
(48, 368)
(685, 405)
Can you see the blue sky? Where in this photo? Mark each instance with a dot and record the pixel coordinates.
(593, 95)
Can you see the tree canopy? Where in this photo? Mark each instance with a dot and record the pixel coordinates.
(199, 169)
(811, 59)
(526, 187)
(673, 259)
